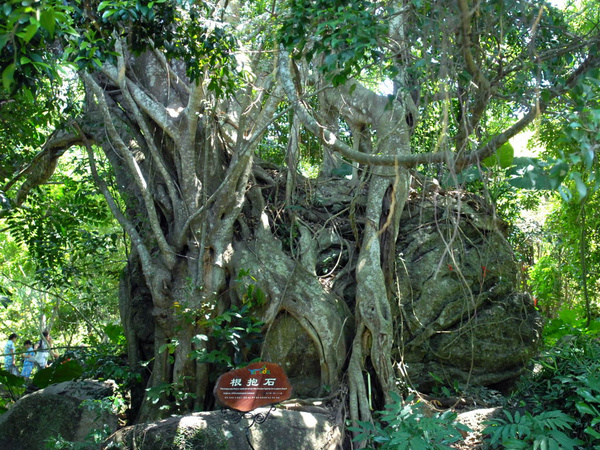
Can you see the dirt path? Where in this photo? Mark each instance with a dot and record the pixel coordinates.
(474, 420)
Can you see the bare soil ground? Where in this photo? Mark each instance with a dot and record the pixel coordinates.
(474, 409)
(475, 419)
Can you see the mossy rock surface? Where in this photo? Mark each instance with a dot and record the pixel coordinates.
(218, 430)
(55, 412)
(460, 315)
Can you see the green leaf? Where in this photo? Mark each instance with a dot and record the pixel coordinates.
(466, 176)
(8, 76)
(503, 157)
(581, 187)
(9, 380)
(103, 5)
(565, 193)
(3, 41)
(584, 408)
(569, 316)
(48, 21)
(29, 32)
(57, 373)
(592, 432)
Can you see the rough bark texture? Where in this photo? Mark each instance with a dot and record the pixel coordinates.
(200, 210)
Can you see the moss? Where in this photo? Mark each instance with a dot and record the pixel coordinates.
(199, 438)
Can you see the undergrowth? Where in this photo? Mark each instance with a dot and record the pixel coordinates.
(555, 405)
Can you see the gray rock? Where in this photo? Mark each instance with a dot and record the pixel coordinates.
(290, 345)
(214, 430)
(462, 319)
(56, 411)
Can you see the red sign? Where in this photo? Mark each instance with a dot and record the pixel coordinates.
(258, 384)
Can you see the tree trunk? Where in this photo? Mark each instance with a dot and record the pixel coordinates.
(196, 213)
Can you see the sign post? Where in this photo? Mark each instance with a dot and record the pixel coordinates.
(258, 384)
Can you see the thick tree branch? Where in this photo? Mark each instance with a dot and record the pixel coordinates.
(134, 170)
(535, 111)
(145, 257)
(147, 134)
(465, 29)
(152, 108)
(471, 116)
(330, 139)
(42, 167)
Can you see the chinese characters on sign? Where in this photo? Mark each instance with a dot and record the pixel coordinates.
(257, 384)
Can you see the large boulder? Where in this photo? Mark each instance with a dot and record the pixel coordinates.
(214, 430)
(459, 312)
(461, 318)
(56, 411)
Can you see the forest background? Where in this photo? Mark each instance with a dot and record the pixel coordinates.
(132, 133)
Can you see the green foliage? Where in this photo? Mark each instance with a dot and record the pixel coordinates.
(149, 20)
(403, 425)
(252, 295)
(524, 431)
(93, 439)
(61, 260)
(565, 379)
(545, 282)
(570, 323)
(59, 237)
(342, 36)
(87, 33)
(208, 48)
(175, 394)
(12, 388)
(503, 157)
(25, 124)
(27, 31)
(227, 343)
(571, 239)
(231, 336)
(105, 362)
(442, 388)
(520, 172)
(533, 173)
(58, 372)
(589, 406)
(576, 148)
(63, 256)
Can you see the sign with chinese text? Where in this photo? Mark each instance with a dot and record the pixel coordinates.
(258, 384)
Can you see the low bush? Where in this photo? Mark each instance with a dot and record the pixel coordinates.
(404, 425)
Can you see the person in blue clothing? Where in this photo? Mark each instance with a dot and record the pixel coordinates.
(28, 359)
(9, 355)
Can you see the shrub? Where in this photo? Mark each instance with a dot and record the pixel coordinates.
(525, 431)
(403, 425)
(565, 379)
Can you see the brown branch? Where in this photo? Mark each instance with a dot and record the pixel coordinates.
(330, 139)
(134, 170)
(465, 29)
(136, 239)
(535, 110)
(42, 167)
